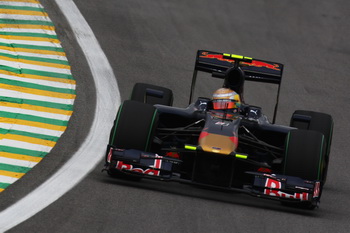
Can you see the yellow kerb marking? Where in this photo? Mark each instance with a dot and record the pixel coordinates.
(32, 124)
(36, 108)
(31, 76)
(12, 49)
(30, 38)
(37, 92)
(28, 139)
(28, 26)
(11, 174)
(29, 1)
(37, 63)
(20, 157)
(22, 12)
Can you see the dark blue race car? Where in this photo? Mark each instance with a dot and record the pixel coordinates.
(222, 142)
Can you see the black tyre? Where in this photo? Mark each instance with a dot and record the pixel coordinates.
(152, 94)
(316, 121)
(305, 158)
(134, 126)
(304, 154)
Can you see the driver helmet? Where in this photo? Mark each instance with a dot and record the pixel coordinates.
(225, 98)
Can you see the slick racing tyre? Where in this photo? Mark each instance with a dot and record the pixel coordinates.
(305, 156)
(316, 121)
(152, 94)
(134, 126)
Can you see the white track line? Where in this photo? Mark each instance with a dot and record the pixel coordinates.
(93, 148)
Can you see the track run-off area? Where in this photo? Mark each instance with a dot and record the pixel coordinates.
(37, 90)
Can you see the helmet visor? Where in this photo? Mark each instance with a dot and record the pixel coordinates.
(225, 104)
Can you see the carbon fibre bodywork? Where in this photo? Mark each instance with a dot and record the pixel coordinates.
(217, 148)
(240, 153)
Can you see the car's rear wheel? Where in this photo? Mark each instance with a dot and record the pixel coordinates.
(152, 94)
(305, 156)
(133, 128)
(320, 122)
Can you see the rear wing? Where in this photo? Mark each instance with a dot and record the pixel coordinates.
(254, 69)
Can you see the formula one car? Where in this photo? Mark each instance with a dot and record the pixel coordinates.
(230, 148)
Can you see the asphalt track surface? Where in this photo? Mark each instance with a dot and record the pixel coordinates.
(155, 42)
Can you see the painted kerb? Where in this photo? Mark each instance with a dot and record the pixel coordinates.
(37, 90)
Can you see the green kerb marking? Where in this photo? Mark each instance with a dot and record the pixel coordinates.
(66, 107)
(35, 47)
(33, 118)
(15, 150)
(22, 8)
(36, 86)
(13, 168)
(6, 48)
(4, 185)
(39, 59)
(36, 72)
(29, 34)
(28, 134)
(27, 22)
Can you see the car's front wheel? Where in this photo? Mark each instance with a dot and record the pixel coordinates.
(320, 122)
(133, 128)
(304, 156)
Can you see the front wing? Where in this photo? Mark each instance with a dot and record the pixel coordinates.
(265, 185)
